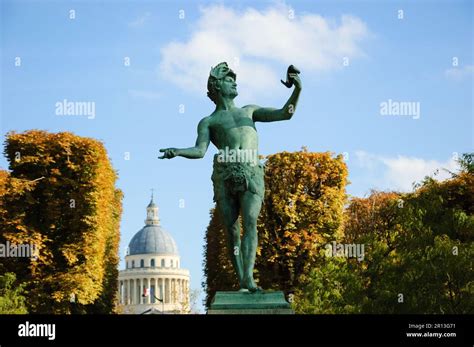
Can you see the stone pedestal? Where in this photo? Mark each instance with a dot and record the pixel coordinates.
(250, 303)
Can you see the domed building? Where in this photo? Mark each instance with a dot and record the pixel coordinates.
(153, 281)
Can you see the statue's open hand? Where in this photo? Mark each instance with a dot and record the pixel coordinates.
(168, 153)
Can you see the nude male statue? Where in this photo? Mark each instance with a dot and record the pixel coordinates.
(238, 176)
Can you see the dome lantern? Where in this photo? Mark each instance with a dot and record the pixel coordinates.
(152, 213)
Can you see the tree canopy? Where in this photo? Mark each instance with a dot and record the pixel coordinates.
(60, 196)
(418, 254)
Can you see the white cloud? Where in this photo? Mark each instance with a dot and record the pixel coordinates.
(400, 172)
(140, 20)
(144, 94)
(260, 39)
(459, 73)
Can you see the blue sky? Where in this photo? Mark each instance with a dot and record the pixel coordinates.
(410, 59)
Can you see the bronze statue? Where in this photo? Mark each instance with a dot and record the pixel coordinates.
(238, 175)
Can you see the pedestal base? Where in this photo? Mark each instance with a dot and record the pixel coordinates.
(250, 303)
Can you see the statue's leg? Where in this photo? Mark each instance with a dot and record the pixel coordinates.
(251, 204)
(229, 211)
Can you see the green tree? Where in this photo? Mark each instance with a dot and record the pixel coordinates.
(12, 300)
(418, 253)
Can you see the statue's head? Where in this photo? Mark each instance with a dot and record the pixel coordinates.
(221, 82)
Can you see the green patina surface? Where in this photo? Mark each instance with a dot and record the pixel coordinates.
(238, 185)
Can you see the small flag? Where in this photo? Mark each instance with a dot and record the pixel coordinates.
(146, 292)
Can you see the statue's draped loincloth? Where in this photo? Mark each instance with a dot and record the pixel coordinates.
(232, 178)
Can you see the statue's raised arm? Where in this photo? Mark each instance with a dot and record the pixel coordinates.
(269, 114)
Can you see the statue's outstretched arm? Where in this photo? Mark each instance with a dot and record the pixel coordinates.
(196, 152)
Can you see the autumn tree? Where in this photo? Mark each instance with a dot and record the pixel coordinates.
(61, 197)
(302, 211)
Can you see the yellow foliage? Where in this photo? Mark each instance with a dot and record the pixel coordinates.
(61, 196)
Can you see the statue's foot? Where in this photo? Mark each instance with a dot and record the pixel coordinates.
(252, 287)
(243, 290)
(256, 290)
